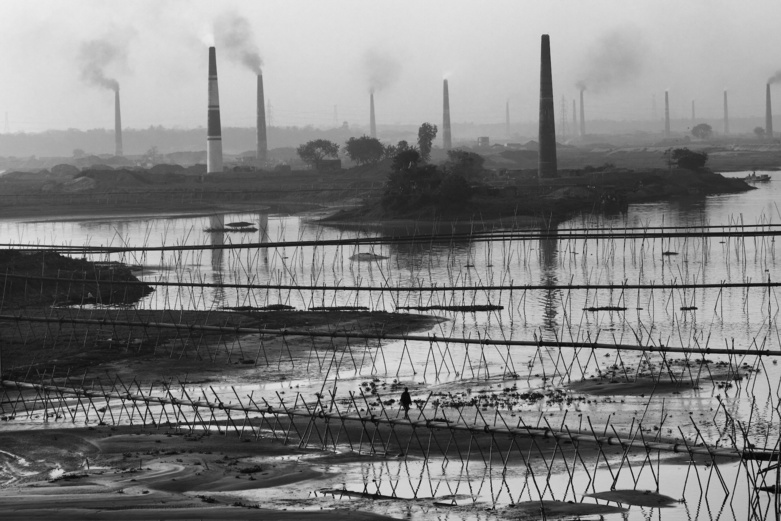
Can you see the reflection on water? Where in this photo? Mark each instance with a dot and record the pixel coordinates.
(217, 238)
(264, 237)
(549, 272)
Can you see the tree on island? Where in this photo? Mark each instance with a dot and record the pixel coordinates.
(364, 150)
(426, 134)
(313, 152)
(702, 131)
(414, 184)
(685, 158)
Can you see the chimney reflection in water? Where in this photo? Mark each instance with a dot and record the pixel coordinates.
(217, 238)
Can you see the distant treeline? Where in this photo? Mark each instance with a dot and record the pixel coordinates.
(237, 141)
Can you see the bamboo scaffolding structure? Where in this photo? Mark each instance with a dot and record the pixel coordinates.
(389, 336)
(559, 235)
(410, 289)
(312, 414)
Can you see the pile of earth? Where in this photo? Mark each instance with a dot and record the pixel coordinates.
(38, 277)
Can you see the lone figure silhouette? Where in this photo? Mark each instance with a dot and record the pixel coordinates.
(406, 401)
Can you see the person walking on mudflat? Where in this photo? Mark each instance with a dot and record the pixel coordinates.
(406, 401)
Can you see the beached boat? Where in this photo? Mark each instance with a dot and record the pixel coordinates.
(754, 178)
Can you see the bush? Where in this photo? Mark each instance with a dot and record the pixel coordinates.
(685, 158)
(454, 190)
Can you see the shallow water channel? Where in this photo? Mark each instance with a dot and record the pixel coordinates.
(289, 267)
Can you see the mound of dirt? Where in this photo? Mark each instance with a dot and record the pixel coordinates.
(641, 498)
(45, 277)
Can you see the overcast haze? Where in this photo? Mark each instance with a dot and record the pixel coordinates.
(314, 56)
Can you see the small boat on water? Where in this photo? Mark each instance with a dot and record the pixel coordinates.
(754, 178)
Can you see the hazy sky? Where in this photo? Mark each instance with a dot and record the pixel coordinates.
(315, 55)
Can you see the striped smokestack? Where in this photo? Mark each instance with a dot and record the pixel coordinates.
(666, 114)
(768, 114)
(372, 121)
(447, 140)
(213, 126)
(547, 166)
(582, 116)
(726, 115)
(261, 123)
(117, 124)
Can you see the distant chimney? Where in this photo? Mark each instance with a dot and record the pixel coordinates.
(372, 121)
(574, 117)
(693, 113)
(666, 115)
(507, 118)
(213, 126)
(261, 123)
(582, 116)
(547, 166)
(768, 115)
(726, 115)
(447, 141)
(117, 125)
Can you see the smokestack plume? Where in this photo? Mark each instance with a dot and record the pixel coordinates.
(117, 125)
(447, 142)
(213, 126)
(547, 165)
(261, 123)
(372, 120)
(768, 114)
(726, 115)
(582, 116)
(234, 35)
(666, 114)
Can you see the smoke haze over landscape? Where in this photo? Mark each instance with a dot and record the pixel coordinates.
(326, 54)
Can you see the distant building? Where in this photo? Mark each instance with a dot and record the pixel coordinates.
(483, 141)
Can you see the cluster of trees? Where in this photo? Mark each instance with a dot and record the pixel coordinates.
(365, 150)
(413, 182)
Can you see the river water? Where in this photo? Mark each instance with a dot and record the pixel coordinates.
(715, 318)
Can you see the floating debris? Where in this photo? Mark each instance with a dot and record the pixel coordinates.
(367, 257)
(224, 230)
(605, 308)
(688, 308)
(270, 307)
(239, 224)
(669, 253)
(339, 308)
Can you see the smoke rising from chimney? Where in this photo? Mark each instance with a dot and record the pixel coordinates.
(775, 78)
(97, 55)
(618, 57)
(233, 34)
(381, 69)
